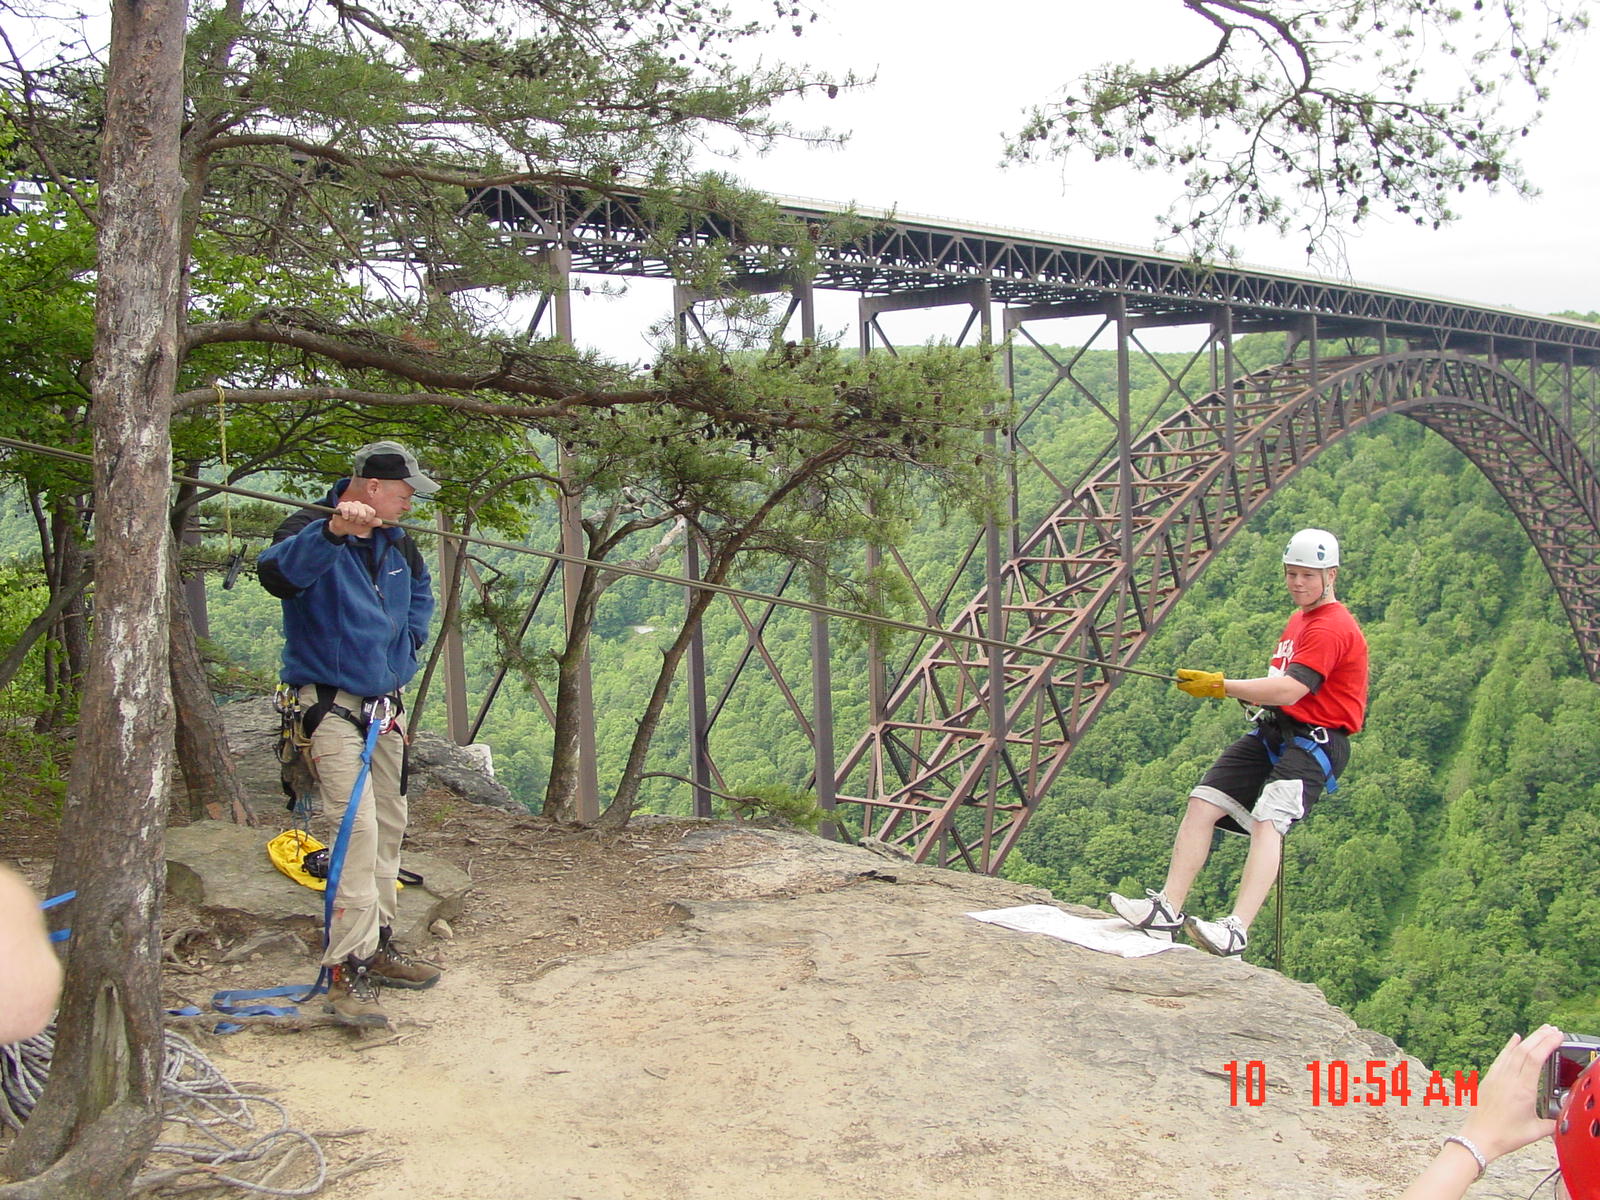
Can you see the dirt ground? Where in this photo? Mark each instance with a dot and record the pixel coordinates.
(688, 1011)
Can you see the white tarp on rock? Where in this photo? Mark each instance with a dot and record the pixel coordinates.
(1109, 935)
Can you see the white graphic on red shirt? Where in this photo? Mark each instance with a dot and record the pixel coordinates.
(1281, 658)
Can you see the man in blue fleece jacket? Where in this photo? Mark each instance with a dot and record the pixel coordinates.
(357, 599)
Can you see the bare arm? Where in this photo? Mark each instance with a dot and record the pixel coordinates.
(1503, 1120)
(30, 973)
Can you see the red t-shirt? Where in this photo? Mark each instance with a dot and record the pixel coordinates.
(1327, 640)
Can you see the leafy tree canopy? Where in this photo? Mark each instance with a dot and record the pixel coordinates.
(1307, 116)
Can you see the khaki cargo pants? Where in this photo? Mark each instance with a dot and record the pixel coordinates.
(366, 898)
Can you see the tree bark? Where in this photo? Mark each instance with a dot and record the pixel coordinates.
(67, 659)
(100, 1112)
(626, 798)
(209, 777)
(561, 791)
(74, 624)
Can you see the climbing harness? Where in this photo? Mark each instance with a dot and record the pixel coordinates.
(1312, 742)
(293, 741)
(292, 850)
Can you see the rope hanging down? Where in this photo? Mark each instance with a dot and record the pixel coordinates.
(721, 589)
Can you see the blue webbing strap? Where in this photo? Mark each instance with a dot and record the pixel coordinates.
(1311, 747)
(242, 1003)
(59, 935)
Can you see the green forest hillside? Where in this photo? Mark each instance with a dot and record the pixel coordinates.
(1445, 896)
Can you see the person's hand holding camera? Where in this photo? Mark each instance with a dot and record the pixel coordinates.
(1505, 1118)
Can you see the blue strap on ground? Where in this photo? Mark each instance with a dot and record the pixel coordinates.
(190, 1010)
(1311, 747)
(243, 1003)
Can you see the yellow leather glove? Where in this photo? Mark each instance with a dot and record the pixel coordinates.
(1205, 684)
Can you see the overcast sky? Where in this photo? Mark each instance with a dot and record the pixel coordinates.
(954, 76)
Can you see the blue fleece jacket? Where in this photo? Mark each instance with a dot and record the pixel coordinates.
(355, 610)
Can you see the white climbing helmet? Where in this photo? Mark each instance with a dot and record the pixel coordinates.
(1312, 548)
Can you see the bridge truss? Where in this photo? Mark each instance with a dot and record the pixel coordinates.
(962, 744)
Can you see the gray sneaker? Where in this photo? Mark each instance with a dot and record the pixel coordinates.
(1152, 915)
(1226, 937)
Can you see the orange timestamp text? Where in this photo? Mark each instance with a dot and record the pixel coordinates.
(1339, 1082)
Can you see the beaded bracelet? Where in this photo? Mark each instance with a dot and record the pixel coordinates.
(1466, 1144)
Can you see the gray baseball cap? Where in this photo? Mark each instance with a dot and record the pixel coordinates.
(391, 460)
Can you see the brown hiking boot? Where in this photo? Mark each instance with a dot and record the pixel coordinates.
(393, 967)
(353, 994)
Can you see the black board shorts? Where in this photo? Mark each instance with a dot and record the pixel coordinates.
(1246, 784)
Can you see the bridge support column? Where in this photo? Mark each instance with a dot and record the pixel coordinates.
(977, 297)
(702, 715)
(1124, 427)
(1222, 357)
(1305, 333)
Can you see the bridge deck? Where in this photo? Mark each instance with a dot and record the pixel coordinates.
(612, 236)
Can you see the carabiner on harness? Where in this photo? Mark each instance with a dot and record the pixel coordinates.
(382, 710)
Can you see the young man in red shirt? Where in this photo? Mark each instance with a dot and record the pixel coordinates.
(1312, 698)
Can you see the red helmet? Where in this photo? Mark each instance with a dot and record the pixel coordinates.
(1578, 1136)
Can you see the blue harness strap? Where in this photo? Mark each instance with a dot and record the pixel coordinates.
(1311, 746)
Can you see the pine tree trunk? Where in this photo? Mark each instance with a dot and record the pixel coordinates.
(100, 1112)
(17, 653)
(626, 799)
(561, 791)
(209, 777)
(64, 671)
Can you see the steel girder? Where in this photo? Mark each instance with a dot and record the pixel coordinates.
(615, 234)
(1177, 497)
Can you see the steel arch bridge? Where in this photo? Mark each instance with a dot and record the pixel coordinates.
(962, 744)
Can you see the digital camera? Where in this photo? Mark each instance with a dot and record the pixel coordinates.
(1561, 1071)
